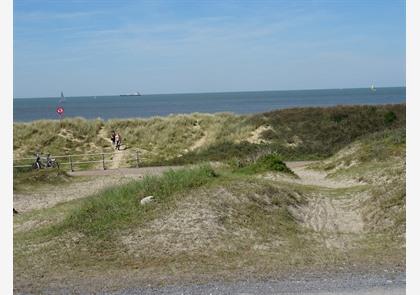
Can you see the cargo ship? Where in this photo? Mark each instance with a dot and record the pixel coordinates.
(131, 94)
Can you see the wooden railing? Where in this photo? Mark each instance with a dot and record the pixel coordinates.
(72, 161)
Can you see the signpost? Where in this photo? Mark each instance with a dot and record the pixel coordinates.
(60, 111)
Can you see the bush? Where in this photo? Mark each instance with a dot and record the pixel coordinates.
(264, 163)
(390, 117)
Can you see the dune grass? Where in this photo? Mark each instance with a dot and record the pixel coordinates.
(383, 149)
(113, 209)
(377, 159)
(299, 133)
(261, 163)
(90, 232)
(229, 220)
(34, 178)
(56, 137)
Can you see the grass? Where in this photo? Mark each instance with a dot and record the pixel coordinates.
(33, 178)
(260, 164)
(377, 159)
(89, 234)
(299, 133)
(56, 137)
(226, 221)
(378, 147)
(117, 207)
(203, 222)
(385, 210)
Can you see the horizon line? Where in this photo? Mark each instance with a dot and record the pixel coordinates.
(215, 92)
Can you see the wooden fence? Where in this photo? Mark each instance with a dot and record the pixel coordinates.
(76, 160)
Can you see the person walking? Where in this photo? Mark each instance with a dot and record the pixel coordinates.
(118, 141)
(113, 137)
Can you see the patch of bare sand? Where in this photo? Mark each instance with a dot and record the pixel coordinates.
(68, 135)
(194, 225)
(255, 136)
(337, 220)
(199, 143)
(117, 159)
(312, 177)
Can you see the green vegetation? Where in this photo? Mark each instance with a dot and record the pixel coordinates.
(382, 146)
(263, 163)
(57, 137)
(228, 221)
(33, 178)
(117, 207)
(92, 231)
(304, 133)
(385, 209)
(377, 159)
(390, 117)
(295, 134)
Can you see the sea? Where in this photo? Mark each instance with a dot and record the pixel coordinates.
(149, 105)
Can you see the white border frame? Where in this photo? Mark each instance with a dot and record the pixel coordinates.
(6, 121)
(413, 144)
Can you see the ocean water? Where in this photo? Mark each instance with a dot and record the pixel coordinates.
(108, 107)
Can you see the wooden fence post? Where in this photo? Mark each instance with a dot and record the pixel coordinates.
(103, 161)
(137, 158)
(71, 164)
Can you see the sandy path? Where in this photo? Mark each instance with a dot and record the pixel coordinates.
(118, 156)
(199, 143)
(310, 177)
(117, 159)
(335, 218)
(49, 196)
(125, 171)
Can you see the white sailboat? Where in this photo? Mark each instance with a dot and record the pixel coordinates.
(62, 98)
(372, 88)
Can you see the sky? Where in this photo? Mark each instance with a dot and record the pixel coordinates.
(110, 47)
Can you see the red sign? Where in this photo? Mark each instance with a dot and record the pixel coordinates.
(60, 110)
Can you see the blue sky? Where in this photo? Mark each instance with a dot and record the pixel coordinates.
(100, 47)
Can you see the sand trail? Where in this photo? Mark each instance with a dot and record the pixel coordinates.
(336, 218)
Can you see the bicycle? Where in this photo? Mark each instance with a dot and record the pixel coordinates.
(51, 162)
(37, 164)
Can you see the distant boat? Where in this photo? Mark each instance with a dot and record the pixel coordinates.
(372, 88)
(62, 98)
(131, 94)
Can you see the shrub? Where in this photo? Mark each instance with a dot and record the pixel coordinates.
(390, 117)
(264, 163)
